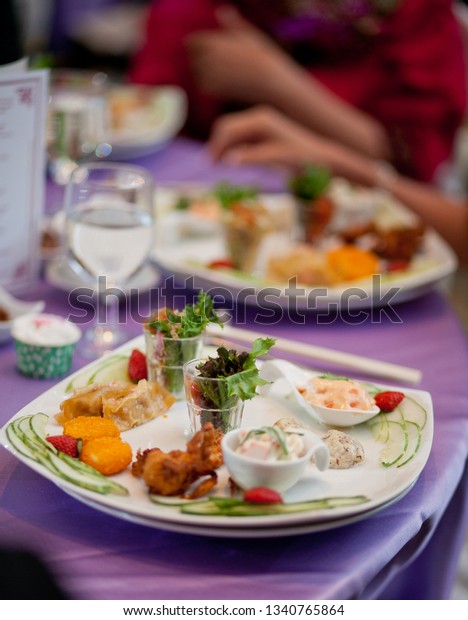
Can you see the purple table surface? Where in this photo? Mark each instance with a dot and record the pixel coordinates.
(406, 551)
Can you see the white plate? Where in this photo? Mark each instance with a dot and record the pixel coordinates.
(379, 484)
(149, 128)
(233, 532)
(60, 274)
(141, 118)
(186, 256)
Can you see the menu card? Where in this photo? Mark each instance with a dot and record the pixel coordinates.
(23, 109)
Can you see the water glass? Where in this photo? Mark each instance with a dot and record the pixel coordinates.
(166, 357)
(208, 400)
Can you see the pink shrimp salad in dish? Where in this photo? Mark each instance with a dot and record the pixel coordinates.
(337, 393)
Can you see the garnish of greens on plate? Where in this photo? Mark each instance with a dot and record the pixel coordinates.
(225, 193)
(399, 426)
(174, 337)
(316, 208)
(310, 183)
(228, 194)
(236, 507)
(239, 372)
(190, 322)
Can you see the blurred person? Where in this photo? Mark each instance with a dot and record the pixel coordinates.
(262, 135)
(11, 43)
(383, 77)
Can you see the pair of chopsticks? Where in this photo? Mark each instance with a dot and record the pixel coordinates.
(372, 367)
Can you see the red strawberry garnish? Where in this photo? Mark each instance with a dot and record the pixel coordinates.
(137, 368)
(65, 443)
(388, 401)
(262, 495)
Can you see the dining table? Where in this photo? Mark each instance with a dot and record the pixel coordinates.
(407, 550)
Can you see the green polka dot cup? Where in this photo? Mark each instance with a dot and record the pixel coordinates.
(44, 345)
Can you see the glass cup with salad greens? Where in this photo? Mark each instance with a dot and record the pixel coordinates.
(173, 338)
(216, 388)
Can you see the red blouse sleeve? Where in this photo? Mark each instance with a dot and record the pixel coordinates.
(162, 59)
(421, 93)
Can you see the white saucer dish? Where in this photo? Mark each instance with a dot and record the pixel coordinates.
(15, 308)
(60, 274)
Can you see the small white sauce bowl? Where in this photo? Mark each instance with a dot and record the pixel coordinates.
(341, 417)
(15, 308)
(248, 472)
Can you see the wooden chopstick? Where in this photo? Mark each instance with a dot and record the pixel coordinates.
(369, 366)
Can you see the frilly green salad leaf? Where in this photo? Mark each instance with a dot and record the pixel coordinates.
(191, 322)
(311, 183)
(239, 371)
(228, 194)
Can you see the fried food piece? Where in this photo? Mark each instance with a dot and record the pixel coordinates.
(349, 262)
(85, 401)
(125, 404)
(109, 455)
(174, 472)
(137, 404)
(400, 243)
(304, 262)
(87, 428)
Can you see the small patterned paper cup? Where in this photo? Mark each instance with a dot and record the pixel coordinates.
(44, 345)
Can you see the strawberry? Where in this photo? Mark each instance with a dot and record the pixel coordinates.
(262, 495)
(137, 368)
(65, 443)
(387, 401)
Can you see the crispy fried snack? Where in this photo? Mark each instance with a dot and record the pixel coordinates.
(173, 473)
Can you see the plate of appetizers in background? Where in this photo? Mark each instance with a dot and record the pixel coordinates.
(253, 254)
(395, 446)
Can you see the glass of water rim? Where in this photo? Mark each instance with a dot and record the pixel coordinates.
(109, 231)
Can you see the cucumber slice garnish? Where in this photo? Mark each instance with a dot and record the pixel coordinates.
(17, 443)
(163, 500)
(27, 436)
(114, 368)
(229, 507)
(397, 444)
(414, 442)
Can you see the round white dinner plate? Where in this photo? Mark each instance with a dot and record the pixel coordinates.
(233, 532)
(380, 485)
(187, 256)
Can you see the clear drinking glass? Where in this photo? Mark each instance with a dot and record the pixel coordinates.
(208, 401)
(166, 357)
(109, 234)
(78, 122)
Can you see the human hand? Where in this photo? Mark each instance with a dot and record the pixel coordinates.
(238, 61)
(261, 135)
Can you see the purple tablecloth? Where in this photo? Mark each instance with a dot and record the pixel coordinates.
(408, 550)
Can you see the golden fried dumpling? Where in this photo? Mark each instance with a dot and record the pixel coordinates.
(86, 401)
(133, 405)
(126, 404)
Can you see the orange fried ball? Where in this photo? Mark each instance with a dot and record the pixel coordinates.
(349, 262)
(109, 455)
(90, 427)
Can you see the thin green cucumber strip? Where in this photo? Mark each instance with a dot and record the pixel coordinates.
(215, 507)
(18, 444)
(397, 444)
(415, 437)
